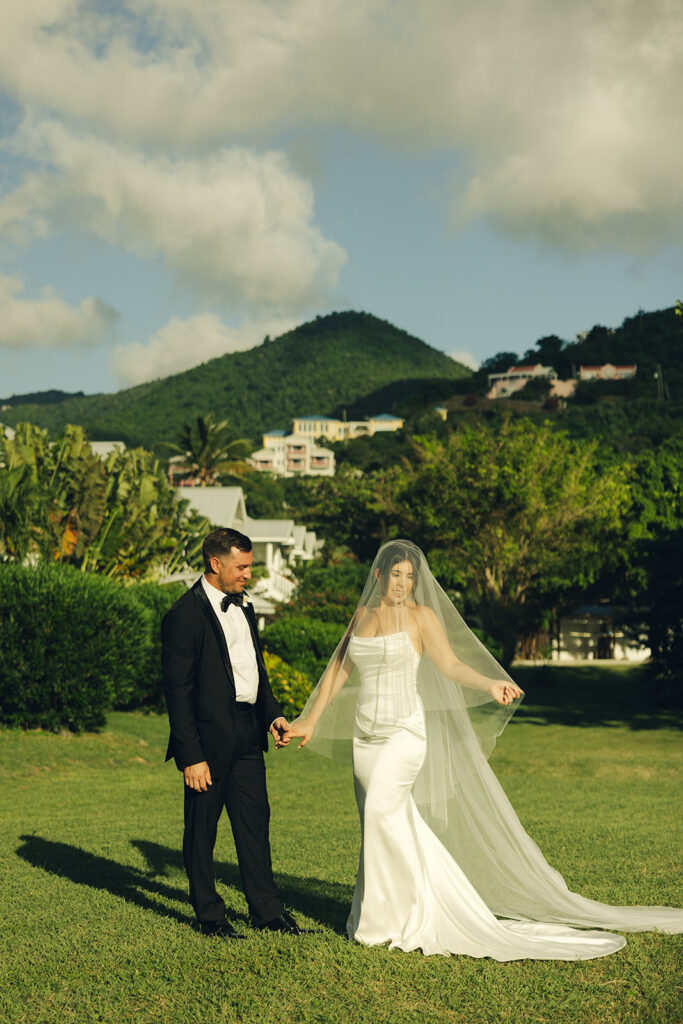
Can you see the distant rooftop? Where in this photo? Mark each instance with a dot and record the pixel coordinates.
(276, 433)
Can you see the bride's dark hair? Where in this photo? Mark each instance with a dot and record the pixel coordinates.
(393, 553)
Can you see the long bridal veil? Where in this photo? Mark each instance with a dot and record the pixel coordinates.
(456, 791)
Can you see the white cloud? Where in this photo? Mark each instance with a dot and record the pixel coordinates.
(236, 225)
(49, 322)
(568, 114)
(466, 359)
(181, 344)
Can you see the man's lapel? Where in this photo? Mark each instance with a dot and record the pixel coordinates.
(198, 591)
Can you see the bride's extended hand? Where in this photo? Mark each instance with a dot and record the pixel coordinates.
(304, 729)
(503, 691)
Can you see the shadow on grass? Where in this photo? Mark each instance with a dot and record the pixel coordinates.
(326, 902)
(590, 696)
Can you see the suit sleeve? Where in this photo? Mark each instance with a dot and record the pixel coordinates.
(271, 707)
(179, 663)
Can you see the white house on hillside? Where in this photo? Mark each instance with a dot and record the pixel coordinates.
(292, 455)
(501, 385)
(296, 452)
(608, 371)
(277, 543)
(345, 430)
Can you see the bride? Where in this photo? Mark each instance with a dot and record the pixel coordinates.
(445, 864)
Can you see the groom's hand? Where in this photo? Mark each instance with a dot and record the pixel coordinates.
(197, 776)
(279, 730)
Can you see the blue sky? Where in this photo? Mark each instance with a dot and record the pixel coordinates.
(177, 180)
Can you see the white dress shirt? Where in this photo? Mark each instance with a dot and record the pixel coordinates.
(240, 644)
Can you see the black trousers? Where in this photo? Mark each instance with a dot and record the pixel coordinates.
(241, 789)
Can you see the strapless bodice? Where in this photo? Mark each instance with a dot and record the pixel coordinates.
(388, 680)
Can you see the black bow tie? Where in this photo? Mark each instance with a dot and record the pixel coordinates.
(231, 599)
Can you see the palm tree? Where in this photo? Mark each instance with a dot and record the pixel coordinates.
(213, 454)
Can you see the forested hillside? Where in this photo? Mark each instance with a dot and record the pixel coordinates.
(324, 366)
(627, 414)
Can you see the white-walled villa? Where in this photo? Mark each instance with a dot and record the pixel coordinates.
(296, 452)
(502, 385)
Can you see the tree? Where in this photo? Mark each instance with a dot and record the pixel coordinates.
(354, 509)
(61, 503)
(550, 352)
(518, 515)
(648, 582)
(212, 451)
(499, 363)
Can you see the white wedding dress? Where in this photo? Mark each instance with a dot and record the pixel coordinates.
(410, 892)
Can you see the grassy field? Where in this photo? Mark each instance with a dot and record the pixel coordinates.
(95, 923)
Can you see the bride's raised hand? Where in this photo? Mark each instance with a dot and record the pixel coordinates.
(503, 691)
(303, 729)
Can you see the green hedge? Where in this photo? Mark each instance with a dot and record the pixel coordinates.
(71, 646)
(307, 644)
(74, 645)
(154, 601)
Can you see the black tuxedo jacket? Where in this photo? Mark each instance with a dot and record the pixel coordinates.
(199, 685)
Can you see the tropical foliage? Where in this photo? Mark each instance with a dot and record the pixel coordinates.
(119, 516)
(212, 455)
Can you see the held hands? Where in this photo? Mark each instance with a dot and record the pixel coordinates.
(504, 692)
(303, 729)
(197, 776)
(280, 731)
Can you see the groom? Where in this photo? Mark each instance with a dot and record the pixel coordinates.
(220, 707)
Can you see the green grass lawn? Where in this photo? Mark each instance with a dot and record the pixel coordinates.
(95, 923)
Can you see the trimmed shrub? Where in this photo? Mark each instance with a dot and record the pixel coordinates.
(154, 600)
(306, 644)
(290, 688)
(71, 644)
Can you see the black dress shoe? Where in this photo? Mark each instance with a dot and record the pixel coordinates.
(284, 923)
(217, 929)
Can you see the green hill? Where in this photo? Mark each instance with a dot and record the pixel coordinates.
(329, 364)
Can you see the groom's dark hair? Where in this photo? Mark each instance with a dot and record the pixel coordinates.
(220, 542)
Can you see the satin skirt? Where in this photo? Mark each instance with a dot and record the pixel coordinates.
(411, 894)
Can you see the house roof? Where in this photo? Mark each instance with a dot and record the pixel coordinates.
(385, 416)
(279, 530)
(222, 506)
(326, 419)
(276, 433)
